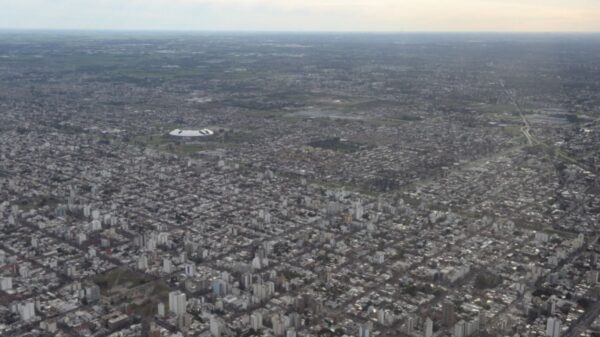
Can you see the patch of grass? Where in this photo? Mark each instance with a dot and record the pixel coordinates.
(336, 144)
(165, 143)
(183, 147)
(267, 114)
(150, 140)
(391, 122)
(147, 307)
(27, 204)
(513, 130)
(331, 184)
(4, 173)
(163, 73)
(120, 277)
(498, 108)
(237, 137)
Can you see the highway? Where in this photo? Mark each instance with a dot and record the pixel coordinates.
(525, 129)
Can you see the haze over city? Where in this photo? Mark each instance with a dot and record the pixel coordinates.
(305, 15)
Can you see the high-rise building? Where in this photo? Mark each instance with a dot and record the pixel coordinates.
(151, 244)
(219, 288)
(161, 309)
(24, 271)
(278, 326)
(428, 328)
(142, 263)
(167, 266)
(49, 325)
(256, 321)
(177, 303)
(552, 304)
(270, 287)
(472, 327)
(553, 327)
(448, 314)
(410, 324)
(92, 293)
(380, 257)
(293, 320)
(247, 280)
(190, 269)
(5, 283)
(26, 310)
(216, 327)
(260, 262)
(381, 316)
(358, 210)
(365, 330)
(459, 329)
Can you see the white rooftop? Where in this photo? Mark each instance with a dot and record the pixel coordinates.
(191, 133)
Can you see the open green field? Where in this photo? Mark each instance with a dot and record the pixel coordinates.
(183, 147)
(120, 278)
(27, 204)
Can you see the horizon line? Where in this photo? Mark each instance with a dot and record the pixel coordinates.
(285, 31)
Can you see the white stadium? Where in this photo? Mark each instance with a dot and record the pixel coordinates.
(191, 133)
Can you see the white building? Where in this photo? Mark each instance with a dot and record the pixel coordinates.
(216, 327)
(365, 330)
(26, 311)
(167, 266)
(191, 133)
(190, 269)
(142, 263)
(428, 328)
(177, 303)
(278, 326)
(553, 327)
(256, 321)
(161, 309)
(5, 283)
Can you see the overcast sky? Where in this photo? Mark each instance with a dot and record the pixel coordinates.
(305, 15)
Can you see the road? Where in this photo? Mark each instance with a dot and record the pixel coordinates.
(525, 129)
(584, 321)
